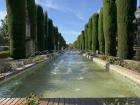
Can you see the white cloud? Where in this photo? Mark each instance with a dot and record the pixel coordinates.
(2, 15)
(50, 4)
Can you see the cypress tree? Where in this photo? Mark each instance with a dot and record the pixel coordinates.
(90, 33)
(125, 16)
(40, 28)
(83, 40)
(50, 34)
(16, 10)
(109, 26)
(32, 17)
(46, 30)
(101, 33)
(56, 38)
(86, 37)
(95, 45)
(53, 37)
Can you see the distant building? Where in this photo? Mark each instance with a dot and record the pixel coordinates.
(137, 34)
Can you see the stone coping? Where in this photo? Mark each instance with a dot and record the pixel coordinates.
(132, 75)
(11, 74)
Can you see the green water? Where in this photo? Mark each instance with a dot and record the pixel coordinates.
(70, 75)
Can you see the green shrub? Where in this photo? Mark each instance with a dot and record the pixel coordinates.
(116, 61)
(119, 102)
(103, 57)
(31, 100)
(133, 65)
(4, 54)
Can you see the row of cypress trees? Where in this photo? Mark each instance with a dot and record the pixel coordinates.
(110, 31)
(44, 34)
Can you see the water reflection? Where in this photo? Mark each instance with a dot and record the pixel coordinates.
(70, 75)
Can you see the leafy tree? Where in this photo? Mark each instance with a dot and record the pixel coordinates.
(4, 38)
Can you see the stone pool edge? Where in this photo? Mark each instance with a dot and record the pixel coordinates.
(26, 69)
(121, 73)
(130, 74)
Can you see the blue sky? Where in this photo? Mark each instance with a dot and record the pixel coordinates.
(69, 15)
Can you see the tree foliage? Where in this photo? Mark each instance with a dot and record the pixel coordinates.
(4, 38)
(101, 33)
(125, 16)
(109, 26)
(40, 29)
(95, 44)
(16, 10)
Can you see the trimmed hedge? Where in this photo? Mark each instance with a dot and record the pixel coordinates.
(16, 12)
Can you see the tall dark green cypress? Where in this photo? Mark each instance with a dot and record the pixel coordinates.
(56, 38)
(90, 33)
(32, 17)
(46, 30)
(95, 44)
(101, 33)
(53, 38)
(83, 40)
(125, 16)
(109, 26)
(16, 10)
(40, 29)
(86, 37)
(50, 34)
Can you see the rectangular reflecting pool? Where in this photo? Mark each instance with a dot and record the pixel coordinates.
(68, 76)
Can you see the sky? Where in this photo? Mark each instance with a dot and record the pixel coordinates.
(69, 16)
